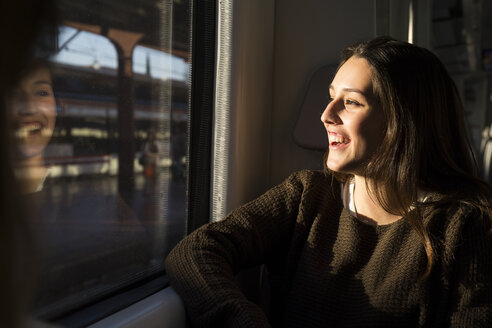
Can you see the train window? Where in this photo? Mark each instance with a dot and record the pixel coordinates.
(102, 139)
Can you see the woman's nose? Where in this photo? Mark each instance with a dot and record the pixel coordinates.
(330, 114)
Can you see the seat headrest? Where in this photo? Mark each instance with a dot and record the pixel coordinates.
(309, 131)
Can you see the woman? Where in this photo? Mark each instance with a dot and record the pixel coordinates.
(395, 233)
(33, 109)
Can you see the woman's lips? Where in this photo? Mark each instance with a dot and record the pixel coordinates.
(28, 128)
(337, 140)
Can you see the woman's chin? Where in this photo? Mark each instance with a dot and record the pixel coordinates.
(334, 166)
(30, 152)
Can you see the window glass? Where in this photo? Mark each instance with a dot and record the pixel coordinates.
(101, 141)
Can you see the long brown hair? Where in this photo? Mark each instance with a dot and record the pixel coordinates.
(426, 146)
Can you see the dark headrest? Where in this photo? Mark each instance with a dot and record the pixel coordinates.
(309, 131)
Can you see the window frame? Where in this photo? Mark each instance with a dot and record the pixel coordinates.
(201, 100)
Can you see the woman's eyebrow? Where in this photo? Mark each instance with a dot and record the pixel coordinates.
(42, 82)
(350, 90)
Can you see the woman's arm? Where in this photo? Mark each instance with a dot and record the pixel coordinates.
(203, 265)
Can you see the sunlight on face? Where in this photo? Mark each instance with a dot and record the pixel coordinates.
(353, 124)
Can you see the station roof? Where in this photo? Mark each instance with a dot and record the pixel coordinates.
(147, 17)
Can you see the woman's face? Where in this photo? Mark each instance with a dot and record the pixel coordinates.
(34, 112)
(353, 122)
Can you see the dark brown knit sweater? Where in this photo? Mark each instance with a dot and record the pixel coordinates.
(328, 269)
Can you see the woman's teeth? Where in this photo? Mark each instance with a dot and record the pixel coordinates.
(337, 139)
(27, 129)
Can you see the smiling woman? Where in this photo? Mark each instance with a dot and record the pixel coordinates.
(354, 123)
(384, 237)
(33, 109)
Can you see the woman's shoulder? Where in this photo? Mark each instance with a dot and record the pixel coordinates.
(304, 186)
(459, 219)
(467, 239)
(312, 177)
(314, 186)
(469, 215)
(458, 211)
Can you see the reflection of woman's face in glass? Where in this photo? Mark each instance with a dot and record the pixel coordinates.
(34, 111)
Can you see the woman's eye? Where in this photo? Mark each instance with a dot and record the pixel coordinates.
(352, 102)
(43, 93)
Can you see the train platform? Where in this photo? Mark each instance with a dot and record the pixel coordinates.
(92, 240)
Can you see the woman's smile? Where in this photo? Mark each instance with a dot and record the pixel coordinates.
(25, 129)
(34, 113)
(337, 141)
(353, 124)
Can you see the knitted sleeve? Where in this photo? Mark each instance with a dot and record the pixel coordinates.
(471, 281)
(202, 266)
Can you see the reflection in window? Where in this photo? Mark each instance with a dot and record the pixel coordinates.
(109, 139)
(159, 65)
(80, 48)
